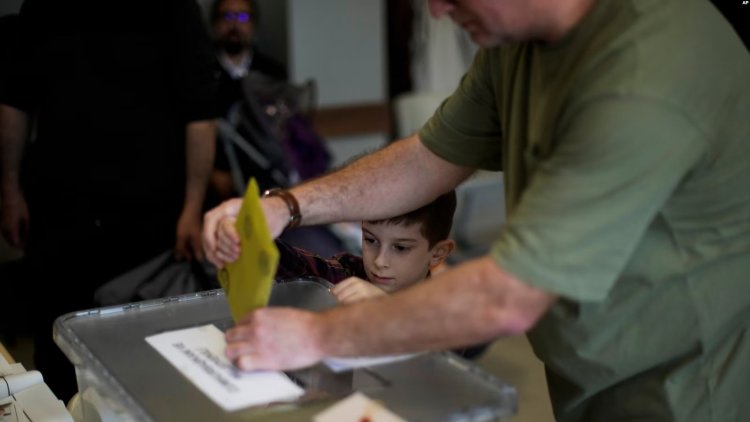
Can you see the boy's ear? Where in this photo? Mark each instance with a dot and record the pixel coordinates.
(441, 251)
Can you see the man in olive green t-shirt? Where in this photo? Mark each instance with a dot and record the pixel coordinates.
(623, 130)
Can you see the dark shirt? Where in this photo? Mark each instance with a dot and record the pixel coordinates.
(230, 89)
(230, 94)
(113, 86)
(295, 262)
(8, 39)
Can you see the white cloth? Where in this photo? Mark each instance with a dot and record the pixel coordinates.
(236, 71)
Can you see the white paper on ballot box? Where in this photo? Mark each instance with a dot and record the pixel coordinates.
(198, 353)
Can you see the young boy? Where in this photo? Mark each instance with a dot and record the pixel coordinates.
(396, 253)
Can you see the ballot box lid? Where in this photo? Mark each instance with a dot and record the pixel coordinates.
(114, 362)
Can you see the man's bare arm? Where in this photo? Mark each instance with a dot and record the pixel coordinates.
(469, 304)
(200, 147)
(14, 130)
(394, 180)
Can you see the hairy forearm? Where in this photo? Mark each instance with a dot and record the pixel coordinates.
(392, 181)
(200, 148)
(13, 133)
(472, 303)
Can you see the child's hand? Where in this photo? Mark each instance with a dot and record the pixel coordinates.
(354, 289)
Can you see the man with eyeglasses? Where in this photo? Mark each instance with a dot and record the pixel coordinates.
(234, 23)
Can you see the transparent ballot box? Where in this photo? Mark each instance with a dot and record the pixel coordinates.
(122, 377)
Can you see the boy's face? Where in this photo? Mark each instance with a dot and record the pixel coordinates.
(396, 255)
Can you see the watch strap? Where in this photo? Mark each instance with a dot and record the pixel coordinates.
(295, 217)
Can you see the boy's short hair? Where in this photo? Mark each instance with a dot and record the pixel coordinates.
(436, 218)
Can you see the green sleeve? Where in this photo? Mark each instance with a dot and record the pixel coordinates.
(589, 204)
(465, 129)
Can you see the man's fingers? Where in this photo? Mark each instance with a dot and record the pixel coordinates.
(241, 355)
(211, 222)
(228, 241)
(228, 231)
(209, 233)
(222, 259)
(246, 363)
(227, 254)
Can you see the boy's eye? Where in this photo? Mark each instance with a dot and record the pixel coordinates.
(401, 248)
(369, 239)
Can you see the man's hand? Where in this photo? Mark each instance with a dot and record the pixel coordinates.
(227, 241)
(274, 339)
(354, 289)
(220, 239)
(14, 218)
(188, 240)
(211, 225)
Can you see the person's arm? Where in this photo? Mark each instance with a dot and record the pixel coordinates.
(192, 80)
(394, 180)
(14, 125)
(200, 145)
(471, 303)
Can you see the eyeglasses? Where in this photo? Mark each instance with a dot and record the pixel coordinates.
(241, 17)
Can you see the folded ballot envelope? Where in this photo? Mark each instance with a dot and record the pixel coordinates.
(248, 280)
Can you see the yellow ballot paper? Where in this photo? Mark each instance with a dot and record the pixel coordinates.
(248, 280)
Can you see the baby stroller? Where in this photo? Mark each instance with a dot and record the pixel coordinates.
(267, 135)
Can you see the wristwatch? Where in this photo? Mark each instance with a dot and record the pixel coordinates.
(295, 217)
